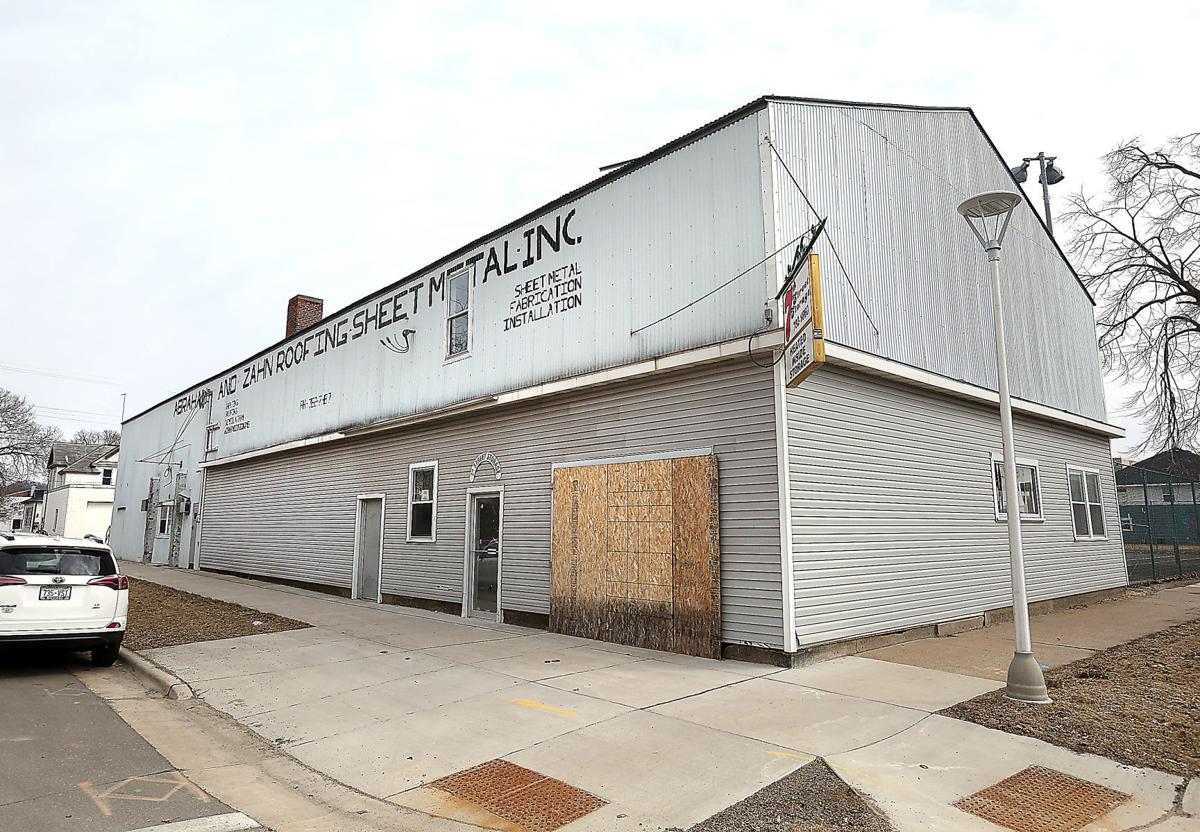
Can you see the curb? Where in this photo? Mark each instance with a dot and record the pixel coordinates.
(170, 685)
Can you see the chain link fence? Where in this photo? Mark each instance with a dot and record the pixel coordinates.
(1160, 523)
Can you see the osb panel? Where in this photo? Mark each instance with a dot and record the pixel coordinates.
(697, 585)
(636, 554)
(577, 578)
(1038, 799)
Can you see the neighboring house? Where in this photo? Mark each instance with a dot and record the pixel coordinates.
(33, 509)
(571, 413)
(13, 498)
(1170, 476)
(79, 489)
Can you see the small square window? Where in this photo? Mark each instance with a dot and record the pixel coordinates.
(106, 476)
(1029, 490)
(422, 501)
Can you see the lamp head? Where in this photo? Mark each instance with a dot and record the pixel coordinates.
(988, 215)
(1020, 172)
(1053, 174)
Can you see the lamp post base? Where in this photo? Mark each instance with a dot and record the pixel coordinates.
(1025, 680)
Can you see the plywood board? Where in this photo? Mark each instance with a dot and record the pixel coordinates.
(697, 567)
(635, 554)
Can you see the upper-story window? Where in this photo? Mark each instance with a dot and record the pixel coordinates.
(458, 314)
(106, 476)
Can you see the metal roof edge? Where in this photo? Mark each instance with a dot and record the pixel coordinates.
(877, 105)
(1041, 220)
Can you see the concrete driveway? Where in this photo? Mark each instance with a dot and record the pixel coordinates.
(389, 699)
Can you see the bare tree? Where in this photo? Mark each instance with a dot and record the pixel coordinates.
(1137, 248)
(24, 443)
(106, 436)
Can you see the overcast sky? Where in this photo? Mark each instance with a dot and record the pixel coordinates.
(172, 172)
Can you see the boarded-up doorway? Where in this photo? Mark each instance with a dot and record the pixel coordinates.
(635, 555)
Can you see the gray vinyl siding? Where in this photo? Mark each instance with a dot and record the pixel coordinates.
(890, 181)
(893, 524)
(291, 515)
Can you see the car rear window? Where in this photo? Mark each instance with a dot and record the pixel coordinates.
(56, 560)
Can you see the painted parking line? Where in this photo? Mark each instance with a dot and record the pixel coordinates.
(542, 706)
(231, 822)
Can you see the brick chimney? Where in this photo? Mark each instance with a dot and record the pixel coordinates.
(302, 312)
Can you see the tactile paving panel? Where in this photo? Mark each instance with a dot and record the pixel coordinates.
(1040, 799)
(529, 799)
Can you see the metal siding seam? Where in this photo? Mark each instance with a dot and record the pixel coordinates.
(771, 232)
(786, 552)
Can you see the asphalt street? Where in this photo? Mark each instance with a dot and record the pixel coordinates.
(69, 762)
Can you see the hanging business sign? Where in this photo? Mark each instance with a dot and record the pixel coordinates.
(803, 322)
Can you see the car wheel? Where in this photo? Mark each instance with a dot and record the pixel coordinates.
(105, 656)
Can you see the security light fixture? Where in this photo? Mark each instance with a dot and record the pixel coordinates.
(1050, 174)
(988, 215)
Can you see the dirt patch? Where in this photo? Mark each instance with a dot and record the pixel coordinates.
(1135, 703)
(810, 799)
(160, 616)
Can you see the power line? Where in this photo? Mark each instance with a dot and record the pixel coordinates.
(713, 291)
(828, 236)
(84, 419)
(69, 411)
(38, 371)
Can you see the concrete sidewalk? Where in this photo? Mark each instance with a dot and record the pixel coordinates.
(1058, 638)
(388, 699)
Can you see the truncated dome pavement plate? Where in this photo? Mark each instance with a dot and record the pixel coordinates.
(1040, 799)
(529, 799)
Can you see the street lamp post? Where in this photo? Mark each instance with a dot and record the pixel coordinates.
(1050, 175)
(988, 215)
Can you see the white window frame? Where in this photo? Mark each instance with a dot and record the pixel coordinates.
(163, 519)
(1080, 469)
(110, 472)
(412, 469)
(1002, 516)
(469, 275)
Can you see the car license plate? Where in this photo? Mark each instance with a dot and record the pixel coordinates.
(54, 593)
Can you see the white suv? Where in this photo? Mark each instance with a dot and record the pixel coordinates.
(61, 592)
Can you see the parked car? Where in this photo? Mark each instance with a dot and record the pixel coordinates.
(63, 593)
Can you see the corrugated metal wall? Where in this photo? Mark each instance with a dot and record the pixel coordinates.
(890, 181)
(292, 515)
(893, 524)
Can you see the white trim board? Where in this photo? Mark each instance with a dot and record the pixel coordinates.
(615, 460)
(839, 354)
(771, 339)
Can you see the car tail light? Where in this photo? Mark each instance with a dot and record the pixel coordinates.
(113, 625)
(111, 581)
(11, 580)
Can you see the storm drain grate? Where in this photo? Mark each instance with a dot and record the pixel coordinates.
(1042, 800)
(534, 801)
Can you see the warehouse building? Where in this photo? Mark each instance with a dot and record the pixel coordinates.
(580, 420)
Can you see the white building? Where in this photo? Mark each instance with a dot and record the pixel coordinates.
(79, 489)
(513, 430)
